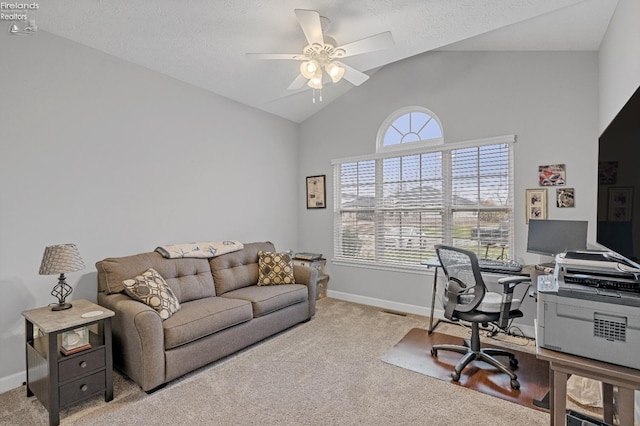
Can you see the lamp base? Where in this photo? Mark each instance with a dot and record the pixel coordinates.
(61, 306)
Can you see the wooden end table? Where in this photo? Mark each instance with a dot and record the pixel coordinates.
(59, 381)
(563, 365)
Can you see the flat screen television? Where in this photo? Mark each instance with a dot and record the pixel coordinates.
(552, 237)
(618, 226)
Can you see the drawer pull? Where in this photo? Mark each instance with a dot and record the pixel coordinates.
(84, 388)
(83, 364)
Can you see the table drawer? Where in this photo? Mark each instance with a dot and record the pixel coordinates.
(82, 388)
(80, 364)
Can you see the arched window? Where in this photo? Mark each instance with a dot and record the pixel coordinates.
(409, 127)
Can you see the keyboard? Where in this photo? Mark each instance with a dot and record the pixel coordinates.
(499, 266)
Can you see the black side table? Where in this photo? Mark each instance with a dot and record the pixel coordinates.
(59, 381)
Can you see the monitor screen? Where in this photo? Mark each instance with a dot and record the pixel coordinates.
(552, 237)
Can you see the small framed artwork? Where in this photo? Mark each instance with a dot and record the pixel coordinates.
(316, 192)
(620, 203)
(536, 204)
(552, 175)
(565, 197)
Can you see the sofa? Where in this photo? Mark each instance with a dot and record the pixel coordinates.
(221, 310)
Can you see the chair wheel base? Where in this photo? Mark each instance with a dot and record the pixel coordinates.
(455, 376)
(515, 385)
(513, 363)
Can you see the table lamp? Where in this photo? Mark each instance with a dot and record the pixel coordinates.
(61, 259)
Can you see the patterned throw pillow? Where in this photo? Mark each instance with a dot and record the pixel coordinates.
(150, 288)
(275, 268)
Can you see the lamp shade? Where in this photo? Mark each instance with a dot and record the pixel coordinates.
(61, 259)
(316, 81)
(335, 71)
(309, 68)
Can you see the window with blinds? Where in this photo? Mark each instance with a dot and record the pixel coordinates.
(391, 209)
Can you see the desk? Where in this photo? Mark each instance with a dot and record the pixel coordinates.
(562, 365)
(433, 263)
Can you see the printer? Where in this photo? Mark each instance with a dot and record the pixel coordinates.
(590, 307)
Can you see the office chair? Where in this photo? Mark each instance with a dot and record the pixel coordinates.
(467, 299)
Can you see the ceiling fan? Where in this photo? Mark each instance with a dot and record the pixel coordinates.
(323, 53)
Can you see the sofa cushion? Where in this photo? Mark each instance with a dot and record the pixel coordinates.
(202, 317)
(239, 269)
(275, 268)
(151, 289)
(267, 299)
(188, 278)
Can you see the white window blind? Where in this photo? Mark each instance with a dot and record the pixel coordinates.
(391, 209)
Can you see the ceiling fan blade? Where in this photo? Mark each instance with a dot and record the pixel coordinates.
(368, 44)
(352, 75)
(311, 27)
(260, 56)
(298, 83)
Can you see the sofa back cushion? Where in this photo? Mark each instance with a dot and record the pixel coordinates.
(189, 278)
(239, 269)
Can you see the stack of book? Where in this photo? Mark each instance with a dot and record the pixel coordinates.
(308, 256)
(77, 349)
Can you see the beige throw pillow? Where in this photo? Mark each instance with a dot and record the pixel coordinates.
(150, 288)
(275, 268)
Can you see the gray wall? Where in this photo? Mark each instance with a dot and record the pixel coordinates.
(548, 99)
(119, 160)
(619, 60)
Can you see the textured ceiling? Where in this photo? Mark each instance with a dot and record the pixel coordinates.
(204, 42)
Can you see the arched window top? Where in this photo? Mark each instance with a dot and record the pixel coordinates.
(409, 127)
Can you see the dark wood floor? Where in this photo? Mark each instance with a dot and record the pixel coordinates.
(414, 353)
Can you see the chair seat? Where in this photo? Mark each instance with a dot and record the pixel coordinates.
(492, 302)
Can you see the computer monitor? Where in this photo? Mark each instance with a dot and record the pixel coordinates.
(552, 237)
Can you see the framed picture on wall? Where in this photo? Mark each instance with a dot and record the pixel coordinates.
(552, 175)
(565, 197)
(536, 204)
(620, 203)
(316, 192)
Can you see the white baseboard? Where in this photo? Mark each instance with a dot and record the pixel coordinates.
(527, 330)
(13, 381)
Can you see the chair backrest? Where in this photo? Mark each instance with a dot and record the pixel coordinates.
(465, 287)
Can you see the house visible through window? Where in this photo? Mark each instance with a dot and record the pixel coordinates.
(391, 209)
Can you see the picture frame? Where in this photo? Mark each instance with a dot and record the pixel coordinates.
(316, 192)
(552, 175)
(565, 197)
(620, 203)
(536, 204)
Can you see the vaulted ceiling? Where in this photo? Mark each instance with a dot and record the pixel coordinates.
(204, 43)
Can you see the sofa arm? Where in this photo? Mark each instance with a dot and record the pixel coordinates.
(309, 277)
(138, 340)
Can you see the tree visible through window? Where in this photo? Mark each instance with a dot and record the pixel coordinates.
(391, 209)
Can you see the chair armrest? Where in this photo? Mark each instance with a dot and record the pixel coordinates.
(508, 285)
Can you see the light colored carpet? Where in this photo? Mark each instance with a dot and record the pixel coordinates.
(327, 371)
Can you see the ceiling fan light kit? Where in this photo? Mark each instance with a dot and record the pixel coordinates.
(322, 51)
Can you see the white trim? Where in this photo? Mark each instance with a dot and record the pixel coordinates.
(527, 330)
(436, 148)
(386, 304)
(13, 381)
